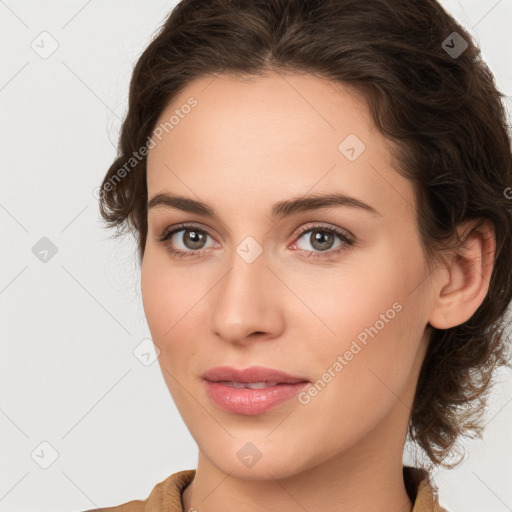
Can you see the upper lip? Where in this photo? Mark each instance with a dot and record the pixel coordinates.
(252, 374)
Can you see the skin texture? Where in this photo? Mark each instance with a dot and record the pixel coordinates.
(248, 144)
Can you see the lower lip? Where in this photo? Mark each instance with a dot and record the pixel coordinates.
(251, 401)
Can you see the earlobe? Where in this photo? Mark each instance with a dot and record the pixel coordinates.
(463, 283)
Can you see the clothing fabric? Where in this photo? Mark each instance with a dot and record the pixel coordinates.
(166, 496)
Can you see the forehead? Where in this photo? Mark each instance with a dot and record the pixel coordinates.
(249, 106)
(281, 134)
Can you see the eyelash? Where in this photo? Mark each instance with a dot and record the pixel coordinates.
(347, 241)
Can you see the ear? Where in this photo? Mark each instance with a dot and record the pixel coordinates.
(462, 284)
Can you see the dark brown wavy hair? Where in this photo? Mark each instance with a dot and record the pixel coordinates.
(432, 97)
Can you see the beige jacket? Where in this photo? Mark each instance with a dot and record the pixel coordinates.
(166, 496)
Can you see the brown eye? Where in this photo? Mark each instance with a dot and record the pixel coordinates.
(193, 239)
(184, 241)
(322, 241)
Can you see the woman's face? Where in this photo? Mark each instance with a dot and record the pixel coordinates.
(336, 295)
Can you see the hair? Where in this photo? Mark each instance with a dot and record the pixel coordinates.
(440, 110)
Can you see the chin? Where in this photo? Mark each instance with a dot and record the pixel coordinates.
(258, 459)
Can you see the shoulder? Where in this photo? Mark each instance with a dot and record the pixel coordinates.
(166, 495)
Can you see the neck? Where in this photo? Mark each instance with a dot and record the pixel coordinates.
(366, 478)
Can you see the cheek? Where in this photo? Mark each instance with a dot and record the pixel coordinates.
(163, 297)
(165, 307)
(165, 293)
(156, 298)
(379, 314)
(375, 380)
(369, 291)
(173, 300)
(375, 309)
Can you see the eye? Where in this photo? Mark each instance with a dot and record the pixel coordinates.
(322, 239)
(189, 239)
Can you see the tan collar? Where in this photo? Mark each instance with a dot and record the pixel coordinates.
(166, 496)
(421, 490)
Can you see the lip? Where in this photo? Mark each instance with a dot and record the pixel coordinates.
(251, 401)
(252, 374)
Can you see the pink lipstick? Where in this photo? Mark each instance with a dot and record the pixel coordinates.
(251, 391)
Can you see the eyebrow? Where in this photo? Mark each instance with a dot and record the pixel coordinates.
(279, 210)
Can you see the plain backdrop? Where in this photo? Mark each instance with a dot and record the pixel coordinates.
(85, 423)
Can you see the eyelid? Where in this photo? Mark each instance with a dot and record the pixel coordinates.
(183, 225)
(328, 227)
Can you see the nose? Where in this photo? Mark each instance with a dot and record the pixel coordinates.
(248, 302)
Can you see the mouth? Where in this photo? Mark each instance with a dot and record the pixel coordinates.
(251, 391)
(250, 385)
(255, 377)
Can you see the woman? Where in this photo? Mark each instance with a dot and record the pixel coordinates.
(319, 194)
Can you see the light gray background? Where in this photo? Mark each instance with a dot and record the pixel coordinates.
(69, 376)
